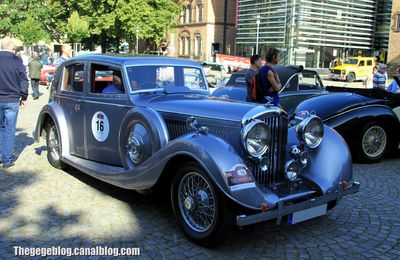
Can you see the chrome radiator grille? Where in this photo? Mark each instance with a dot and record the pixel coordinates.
(276, 153)
(336, 72)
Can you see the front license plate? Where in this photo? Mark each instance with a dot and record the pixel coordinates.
(306, 214)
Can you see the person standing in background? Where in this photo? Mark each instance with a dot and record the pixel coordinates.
(394, 87)
(66, 53)
(35, 67)
(269, 78)
(255, 65)
(13, 95)
(379, 79)
(368, 81)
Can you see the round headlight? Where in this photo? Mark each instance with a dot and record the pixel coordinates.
(292, 170)
(310, 131)
(256, 137)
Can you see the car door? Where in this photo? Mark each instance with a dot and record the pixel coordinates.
(300, 87)
(72, 101)
(105, 110)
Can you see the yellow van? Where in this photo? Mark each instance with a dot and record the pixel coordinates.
(353, 68)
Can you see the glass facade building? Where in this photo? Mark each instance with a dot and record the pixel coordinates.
(308, 32)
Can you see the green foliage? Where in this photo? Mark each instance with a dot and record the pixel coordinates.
(102, 22)
(77, 27)
(30, 31)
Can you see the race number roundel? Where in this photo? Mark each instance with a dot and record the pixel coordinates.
(100, 126)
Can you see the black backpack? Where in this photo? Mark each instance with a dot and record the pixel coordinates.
(257, 89)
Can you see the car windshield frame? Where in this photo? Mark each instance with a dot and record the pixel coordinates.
(133, 90)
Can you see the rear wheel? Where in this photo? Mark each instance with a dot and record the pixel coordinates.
(351, 77)
(200, 208)
(54, 146)
(372, 143)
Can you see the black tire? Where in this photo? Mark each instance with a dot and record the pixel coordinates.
(217, 218)
(54, 146)
(372, 143)
(351, 77)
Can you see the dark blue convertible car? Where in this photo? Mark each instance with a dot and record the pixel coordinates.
(298, 84)
(368, 119)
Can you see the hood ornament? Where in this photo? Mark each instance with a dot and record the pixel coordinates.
(192, 125)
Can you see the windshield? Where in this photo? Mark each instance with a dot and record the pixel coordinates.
(154, 77)
(351, 61)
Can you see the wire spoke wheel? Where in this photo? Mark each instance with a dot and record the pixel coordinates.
(374, 141)
(196, 201)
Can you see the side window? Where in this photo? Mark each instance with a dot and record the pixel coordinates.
(362, 63)
(73, 78)
(193, 78)
(106, 80)
(369, 62)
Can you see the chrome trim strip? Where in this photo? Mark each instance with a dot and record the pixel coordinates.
(350, 110)
(260, 111)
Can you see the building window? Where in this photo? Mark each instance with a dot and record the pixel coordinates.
(185, 46)
(190, 10)
(197, 45)
(199, 12)
(188, 14)
(182, 18)
(398, 22)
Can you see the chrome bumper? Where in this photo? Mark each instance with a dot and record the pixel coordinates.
(283, 210)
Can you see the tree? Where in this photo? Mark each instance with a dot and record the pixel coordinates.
(77, 27)
(153, 17)
(103, 22)
(24, 19)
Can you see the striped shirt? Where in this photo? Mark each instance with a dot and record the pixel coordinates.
(379, 80)
(59, 60)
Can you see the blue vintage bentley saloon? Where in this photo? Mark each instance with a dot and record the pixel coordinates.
(141, 123)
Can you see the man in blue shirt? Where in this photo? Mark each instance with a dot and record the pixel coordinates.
(13, 95)
(66, 53)
(269, 78)
(115, 88)
(379, 79)
(395, 85)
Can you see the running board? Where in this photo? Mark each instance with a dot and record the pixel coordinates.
(91, 166)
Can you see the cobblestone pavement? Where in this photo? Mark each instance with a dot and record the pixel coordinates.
(44, 207)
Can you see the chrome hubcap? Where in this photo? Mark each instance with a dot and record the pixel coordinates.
(196, 202)
(374, 141)
(189, 203)
(53, 144)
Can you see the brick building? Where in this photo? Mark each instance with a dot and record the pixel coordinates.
(393, 57)
(200, 30)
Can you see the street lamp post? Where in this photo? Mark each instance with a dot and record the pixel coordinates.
(258, 29)
(137, 39)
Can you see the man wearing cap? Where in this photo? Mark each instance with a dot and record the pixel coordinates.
(379, 79)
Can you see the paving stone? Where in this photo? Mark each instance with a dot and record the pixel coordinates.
(41, 206)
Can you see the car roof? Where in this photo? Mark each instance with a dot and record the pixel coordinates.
(135, 60)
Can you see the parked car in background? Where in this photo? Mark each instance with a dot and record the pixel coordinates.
(223, 163)
(47, 75)
(353, 68)
(298, 84)
(368, 119)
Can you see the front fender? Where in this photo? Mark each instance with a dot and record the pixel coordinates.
(52, 111)
(350, 119)
(329, 163)
(220, 161)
